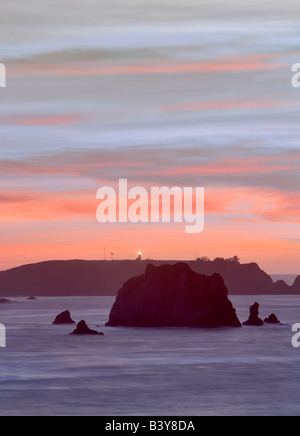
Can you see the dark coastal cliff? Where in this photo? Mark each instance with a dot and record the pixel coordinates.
(173, 296)
(81, 277)
(296, 286)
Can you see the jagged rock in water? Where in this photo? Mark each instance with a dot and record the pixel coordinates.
(64, 318)
(272, 319)
(173, 295)
(83, 329)
(5, 300)
(253, 318)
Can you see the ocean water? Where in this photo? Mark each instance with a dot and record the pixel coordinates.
(140, 371)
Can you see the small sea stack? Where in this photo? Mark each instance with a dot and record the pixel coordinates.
(83, 329)
(5, 300)
(64, 318)
(272, 319)
(254, 319)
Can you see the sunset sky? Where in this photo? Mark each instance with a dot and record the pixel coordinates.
(163, 93)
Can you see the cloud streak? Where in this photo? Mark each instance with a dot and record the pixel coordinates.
(254, 62)
(229, 105)
(233, 166)
(44, 120)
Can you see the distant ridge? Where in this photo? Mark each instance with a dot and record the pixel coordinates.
(288, 278)
(99, 277)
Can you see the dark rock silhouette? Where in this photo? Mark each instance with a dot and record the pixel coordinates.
(281, 287)
(253, 318)
(239, 278)
(83, 329)
(5, 300)
(64, 318)
(272, 319)
(31, 297)
(99, 277)
(296, 285)
(173, 295)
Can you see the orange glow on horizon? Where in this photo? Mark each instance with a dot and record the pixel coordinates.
(174, 245)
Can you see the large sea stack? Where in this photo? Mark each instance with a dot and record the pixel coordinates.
(173, 296)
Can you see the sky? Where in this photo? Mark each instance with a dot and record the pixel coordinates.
(163, 93)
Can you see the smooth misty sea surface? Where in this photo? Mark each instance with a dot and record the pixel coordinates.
(140, 371)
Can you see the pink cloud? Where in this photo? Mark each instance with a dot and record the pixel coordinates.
(231, 166)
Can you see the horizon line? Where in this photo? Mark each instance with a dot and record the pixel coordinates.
(141, 260)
